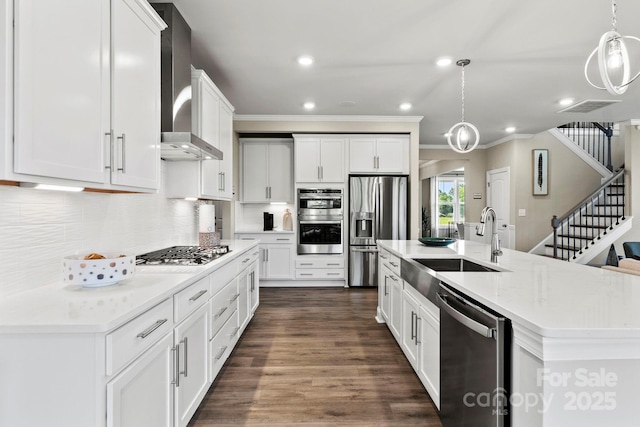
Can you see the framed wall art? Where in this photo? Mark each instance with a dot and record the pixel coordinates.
(540, 172)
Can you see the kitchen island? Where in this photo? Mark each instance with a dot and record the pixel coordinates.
(141, 352)
(576, 332)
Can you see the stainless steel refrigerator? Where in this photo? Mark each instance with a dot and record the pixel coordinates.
(377, 211)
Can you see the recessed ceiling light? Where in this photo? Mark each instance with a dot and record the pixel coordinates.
(309, 105)
(405, 106)
(443, 62)
(510, 129)
(305, 60)
(566, 101)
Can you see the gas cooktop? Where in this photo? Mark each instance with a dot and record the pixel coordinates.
(182, 255)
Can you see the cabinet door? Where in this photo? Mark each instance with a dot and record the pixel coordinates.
(410, 316)
(135, 96)
(307, 152)
(279, 261)
(254, 290)
(243, 299)
(384, 291)
(226, 145)
(61, 89)
(254, 172)
(192, 342)
(429, 354)
(392, 155)
(362, 152)
(142, 395)
(332, 155)
(395, 309)
(281, 172)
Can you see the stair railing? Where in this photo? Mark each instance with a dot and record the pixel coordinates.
(587, 218)
(592, 137)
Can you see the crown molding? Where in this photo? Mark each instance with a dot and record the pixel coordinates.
(320, 118)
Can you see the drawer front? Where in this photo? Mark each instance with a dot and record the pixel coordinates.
(223, 304)
(222, 344)
(188, 300)
(310, 273)
(132, 339)
(270, 238)
(320, 263)
(222, 276)
(248, 258)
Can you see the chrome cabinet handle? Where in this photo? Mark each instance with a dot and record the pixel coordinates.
(306, 263)
(385, 285)
(198, 295)
(306, 274)
(266, 189)
(245, 260)
(321, 172)
(318, 173)
(235, 297)
(221, 353)
(177, 365)
(110, 143)
(393, 263)
(186, 357)
(334, 274)
(283, 239)
(218, 314)
(235, 331)
(334, 263)
(124, 142)
(412, 326)
(266, 253)
(417, 333)
(393, 278)
(151, 328)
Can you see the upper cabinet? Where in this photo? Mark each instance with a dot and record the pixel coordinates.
(267, 170)
(320, 158)
(379, 154)
(87, 93)
(212, 120)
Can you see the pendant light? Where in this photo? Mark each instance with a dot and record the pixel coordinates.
(465, 135)
(613, 59)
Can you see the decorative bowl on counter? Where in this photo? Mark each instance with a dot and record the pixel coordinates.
(94, 270)
(436, 241)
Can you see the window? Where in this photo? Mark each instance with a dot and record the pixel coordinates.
(450, 202)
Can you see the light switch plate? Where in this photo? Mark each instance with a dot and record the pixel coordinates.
(522, 212)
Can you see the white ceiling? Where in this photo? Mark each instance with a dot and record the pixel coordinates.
(372, 55)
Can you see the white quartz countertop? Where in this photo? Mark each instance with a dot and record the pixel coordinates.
(63, 308)
(549, 297)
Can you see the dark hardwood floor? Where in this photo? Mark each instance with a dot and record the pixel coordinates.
(316, 357)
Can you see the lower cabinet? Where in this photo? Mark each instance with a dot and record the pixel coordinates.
(142, 394)
(413, 320)
(276, 254)
(191, 343)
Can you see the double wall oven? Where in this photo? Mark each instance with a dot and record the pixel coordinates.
(320, 218)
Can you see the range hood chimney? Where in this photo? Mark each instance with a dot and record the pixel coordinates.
(177, 140)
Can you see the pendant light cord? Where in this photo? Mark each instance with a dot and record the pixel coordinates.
(614, 21)
(462, 86)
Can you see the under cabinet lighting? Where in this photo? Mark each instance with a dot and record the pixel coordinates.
(50, 187)
(191, 199)
(278, 203)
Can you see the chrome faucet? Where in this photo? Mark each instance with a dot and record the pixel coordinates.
(490, 214)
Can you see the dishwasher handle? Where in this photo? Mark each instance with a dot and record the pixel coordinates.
(477, 327)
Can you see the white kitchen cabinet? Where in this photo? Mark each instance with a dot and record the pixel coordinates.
(212, 120)
(267, 170)
(429, 351)
(384, 291)
(391, 298)
(99, 124)
(395, 302)
(276, 257)
(142, 394)
(318, 267)
(320, 159)
(410, 323)
(254, 289)
(379, 154)
(191, 340)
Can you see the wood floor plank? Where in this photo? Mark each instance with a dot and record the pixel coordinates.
(316, 357)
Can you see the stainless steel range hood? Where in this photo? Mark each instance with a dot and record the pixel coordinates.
(177, 140)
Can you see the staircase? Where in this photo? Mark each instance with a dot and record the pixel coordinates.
(598, 220)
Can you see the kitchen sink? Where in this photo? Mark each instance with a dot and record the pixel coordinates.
(421, 273)
(453, 264)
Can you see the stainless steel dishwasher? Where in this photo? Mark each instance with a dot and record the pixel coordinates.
(475, 343)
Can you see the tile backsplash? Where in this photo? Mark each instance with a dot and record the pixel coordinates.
(38, 228)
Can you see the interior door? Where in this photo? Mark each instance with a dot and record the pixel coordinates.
(498, 197)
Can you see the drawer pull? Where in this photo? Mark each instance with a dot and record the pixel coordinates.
(198, 295)
(393, 278)
(221, 353)
(220, 313)
(333, 263)
(306, 274)
(246, 260)
(235, 331)
(151, 328)
(285, 240)
(334, 274)
(235, 297)
(393, 263)
(306, 263)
